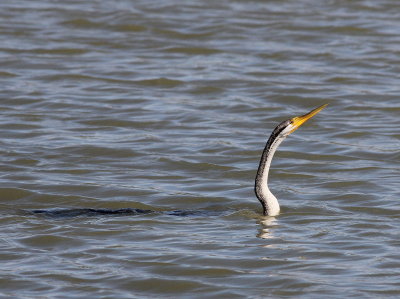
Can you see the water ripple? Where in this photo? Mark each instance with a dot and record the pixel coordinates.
(166, 107)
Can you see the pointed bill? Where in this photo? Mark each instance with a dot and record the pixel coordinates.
(299, 120)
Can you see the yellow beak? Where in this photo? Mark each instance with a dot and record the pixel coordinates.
(299, 120)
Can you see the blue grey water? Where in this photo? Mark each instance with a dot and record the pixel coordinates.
(167, 105)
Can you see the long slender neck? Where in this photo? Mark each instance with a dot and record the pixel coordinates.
(268, 200)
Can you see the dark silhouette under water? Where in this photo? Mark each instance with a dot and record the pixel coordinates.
(59, 213)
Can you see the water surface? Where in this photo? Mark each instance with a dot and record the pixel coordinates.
(166, 106)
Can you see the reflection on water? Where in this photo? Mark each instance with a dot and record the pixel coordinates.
(166, 106)
(266, 224)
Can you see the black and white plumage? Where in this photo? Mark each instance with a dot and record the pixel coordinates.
(268, 200)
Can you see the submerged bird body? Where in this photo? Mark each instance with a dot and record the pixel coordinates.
(267, 199)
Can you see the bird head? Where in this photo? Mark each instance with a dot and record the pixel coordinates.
(297, 121)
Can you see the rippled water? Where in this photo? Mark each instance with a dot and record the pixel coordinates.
(165, 106)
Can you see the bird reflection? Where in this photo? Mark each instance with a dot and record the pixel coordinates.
(266, 224)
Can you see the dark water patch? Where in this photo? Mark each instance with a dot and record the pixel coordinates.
(193, 51)
(7, 74)
(96, 151)
(118, 123)
(20, 127)
(50, 242)
(193, 165)
(80, 77)
(13, 194)
(129, 28)
(160, 82)
(190, 34)
(59, 51)
(82, 23)
(206, 90)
